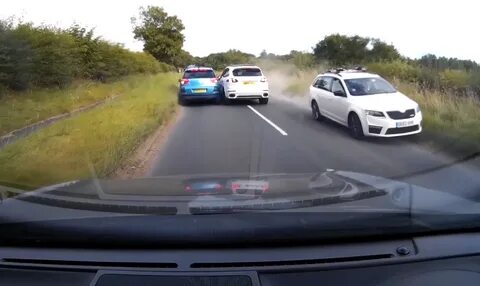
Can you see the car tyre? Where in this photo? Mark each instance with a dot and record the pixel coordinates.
(355, 126)
(316, 112)
(263, 100)
(219, 99)
(182, 101)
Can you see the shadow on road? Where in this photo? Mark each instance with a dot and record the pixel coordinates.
(238, 102)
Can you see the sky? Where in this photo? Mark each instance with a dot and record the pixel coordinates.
(445, 28)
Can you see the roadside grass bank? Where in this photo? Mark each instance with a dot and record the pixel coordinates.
(19, 109)
(93, 143)
(451, 122)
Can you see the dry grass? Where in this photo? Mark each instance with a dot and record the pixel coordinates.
(92, 143)
(452, 116)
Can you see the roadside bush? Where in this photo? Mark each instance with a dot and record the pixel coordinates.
(44, 56)
(454, 79)
(396, 69)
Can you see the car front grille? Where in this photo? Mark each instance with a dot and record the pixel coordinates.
(409, 113)
(402, 130)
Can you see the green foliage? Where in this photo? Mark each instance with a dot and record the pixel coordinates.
(69, 149)
(382, 51)
(395, 69)
(161, 34)
(457, 81)
(302, 60)
(454, 79)
(343, 50)
(441, 63)
(219, 61)
(43, 56)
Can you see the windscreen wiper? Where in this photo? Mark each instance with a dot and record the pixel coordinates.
(284, 205)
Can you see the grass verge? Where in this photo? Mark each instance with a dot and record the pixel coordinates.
(92, 143)
(20, 109)
(450, 122)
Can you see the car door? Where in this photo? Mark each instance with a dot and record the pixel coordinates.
(339, 103)
(324, 95)
(314, 89)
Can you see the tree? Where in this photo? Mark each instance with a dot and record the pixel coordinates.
(341, 50)
(263, 54)
(161, 33)
(382, 51)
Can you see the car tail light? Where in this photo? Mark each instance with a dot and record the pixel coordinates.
(184, 81)
(214, 80)
(234, 80)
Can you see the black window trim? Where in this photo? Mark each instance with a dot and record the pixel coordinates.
(341, 84)
(225, 73)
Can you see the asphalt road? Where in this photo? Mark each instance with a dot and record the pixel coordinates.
(281, 137)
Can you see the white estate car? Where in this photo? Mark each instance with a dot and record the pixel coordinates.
(243, 82)
(365, 102)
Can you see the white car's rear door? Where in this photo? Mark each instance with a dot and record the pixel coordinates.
(325, 96)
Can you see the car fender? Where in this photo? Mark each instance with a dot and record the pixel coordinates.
(360, 113)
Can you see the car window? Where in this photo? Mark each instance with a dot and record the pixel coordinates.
(337, 85)
(325, 83)
(247, 72)
(199, 74)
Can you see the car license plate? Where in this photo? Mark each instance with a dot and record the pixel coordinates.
(404, 123)
(248, 82)
(203, 90)
(249, 185)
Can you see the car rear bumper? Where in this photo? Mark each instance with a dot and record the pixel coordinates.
(239, 94)
(203, 96)
(386, 127)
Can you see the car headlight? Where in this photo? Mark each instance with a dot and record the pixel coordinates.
(374, 113)
(418, 110)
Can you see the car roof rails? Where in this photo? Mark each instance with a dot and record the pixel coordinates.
(336, 70)
(340, 70)
(240, 65)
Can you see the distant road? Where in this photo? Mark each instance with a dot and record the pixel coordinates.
(281, 137)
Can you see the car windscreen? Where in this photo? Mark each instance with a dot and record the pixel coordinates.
(247, 72)
(368, 86)
(199, 74)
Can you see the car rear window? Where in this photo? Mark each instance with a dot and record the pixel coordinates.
(199, 74)
(247, 72)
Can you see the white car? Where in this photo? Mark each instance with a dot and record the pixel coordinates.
(243, 82)
(365, 102)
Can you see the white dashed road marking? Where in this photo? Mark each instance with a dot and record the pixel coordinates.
(268, 121)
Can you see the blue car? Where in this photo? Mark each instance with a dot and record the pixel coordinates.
(198, 83)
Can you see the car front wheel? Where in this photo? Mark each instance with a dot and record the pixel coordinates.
(355, 126)
(263, 100)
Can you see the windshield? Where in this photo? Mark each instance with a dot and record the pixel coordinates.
(199, 74)
(368, 86)
(160, 116)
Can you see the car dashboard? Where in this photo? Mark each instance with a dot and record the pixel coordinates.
(452, 259)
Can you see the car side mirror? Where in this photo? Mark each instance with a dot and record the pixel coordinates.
(339, 93)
